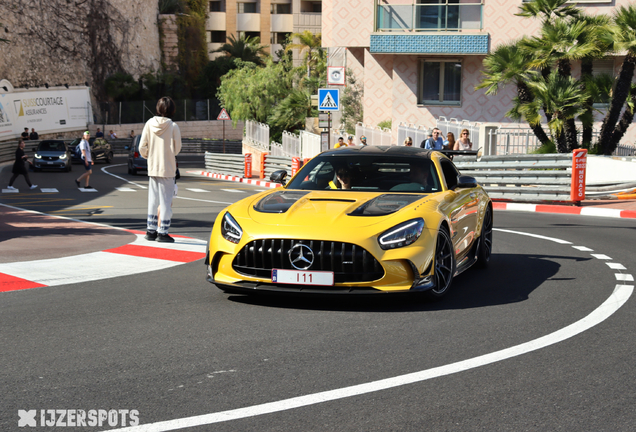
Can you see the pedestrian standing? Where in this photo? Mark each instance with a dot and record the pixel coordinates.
(463, 143)
(160, 143)
(19, 168)
(436, 142)
(87, 160)
(450, 141)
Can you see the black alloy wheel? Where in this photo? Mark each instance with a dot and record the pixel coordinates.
(485, 240)
(444, 265)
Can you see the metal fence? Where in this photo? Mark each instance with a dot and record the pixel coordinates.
(456, 126)
(140, 111)
(310, 144)
(257, 134)
(416, 133)
(375, 136)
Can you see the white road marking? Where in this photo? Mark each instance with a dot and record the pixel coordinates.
(556, 240)
(233, 190)
(196, 190)
(583, 248)
(10, 190)
(616, 266)
(87, 190)
(202, 200)
(125, 189)
(601, 257)
(121, 178)
(624, 277)
(614, 302)
(618, 298)
(49, 190)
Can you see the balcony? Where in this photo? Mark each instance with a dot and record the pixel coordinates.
(429, 27)
(430, 15)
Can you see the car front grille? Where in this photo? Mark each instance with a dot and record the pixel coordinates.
(350, 263)
(50, 158)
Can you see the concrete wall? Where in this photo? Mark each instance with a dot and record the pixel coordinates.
(199, 129)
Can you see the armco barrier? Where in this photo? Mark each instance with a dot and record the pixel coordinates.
(522, 178)
(275, 163)
(224, 163)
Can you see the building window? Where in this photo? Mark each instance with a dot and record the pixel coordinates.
(281, 9)
(279, 38)
(310, 7)
(217, 6)
(249, 34)
(247, 8)
(440, 82)
(217, 37)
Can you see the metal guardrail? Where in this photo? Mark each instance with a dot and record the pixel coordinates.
(225, 163)
(275, 163)
(522, 177)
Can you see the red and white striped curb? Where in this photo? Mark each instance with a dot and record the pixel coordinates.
(140, 256)
(547, 208)
(261, 183)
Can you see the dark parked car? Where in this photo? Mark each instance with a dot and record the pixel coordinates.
(135, 161)
(52, 154)
(100, 150)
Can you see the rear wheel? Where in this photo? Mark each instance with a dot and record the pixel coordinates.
(444, 265)
(109, 158)
(485, 240)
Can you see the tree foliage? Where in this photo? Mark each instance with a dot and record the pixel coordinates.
(541, 68)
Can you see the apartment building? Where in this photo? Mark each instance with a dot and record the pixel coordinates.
(270, 20)
(421, 59)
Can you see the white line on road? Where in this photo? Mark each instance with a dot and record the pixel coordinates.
(617, 299)
(121, 178)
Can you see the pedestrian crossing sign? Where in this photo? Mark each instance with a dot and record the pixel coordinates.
(329, 99)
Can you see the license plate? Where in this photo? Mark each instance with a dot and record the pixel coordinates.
(50, 163)
(300, 277)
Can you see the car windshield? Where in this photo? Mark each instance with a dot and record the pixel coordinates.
(52, 146)
(368, 173)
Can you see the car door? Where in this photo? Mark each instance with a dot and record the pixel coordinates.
(463, 209)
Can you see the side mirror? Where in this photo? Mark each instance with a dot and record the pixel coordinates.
(466, 182)
(279, 176)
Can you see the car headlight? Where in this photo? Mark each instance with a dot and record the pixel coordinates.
(230, 229)
(37, 156)
(402, 235)
(63, 156)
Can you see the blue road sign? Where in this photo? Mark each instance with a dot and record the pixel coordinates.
(329, 99)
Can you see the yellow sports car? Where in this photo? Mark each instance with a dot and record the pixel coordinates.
(355, 220)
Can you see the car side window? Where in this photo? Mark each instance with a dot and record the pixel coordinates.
(450, 173)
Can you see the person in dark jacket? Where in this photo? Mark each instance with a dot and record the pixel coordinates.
(34, 135)
(19, 168)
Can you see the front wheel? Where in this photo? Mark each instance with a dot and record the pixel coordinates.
(109, 158)
(444, 266)
(485, 240)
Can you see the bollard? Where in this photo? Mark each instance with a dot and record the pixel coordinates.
(295, 165)
(248, 165)
(579, 165)
(262, 171)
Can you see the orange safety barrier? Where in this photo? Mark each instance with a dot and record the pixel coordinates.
(579, 166)
(295, 165)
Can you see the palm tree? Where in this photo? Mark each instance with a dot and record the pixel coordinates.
(548, 10)
(509, 63)
(623, 37)
(563, 96)
(247, 49)
(308, 42)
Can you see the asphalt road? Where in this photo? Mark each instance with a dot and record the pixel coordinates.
(172, 346)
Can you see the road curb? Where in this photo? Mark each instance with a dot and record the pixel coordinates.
(562, 209)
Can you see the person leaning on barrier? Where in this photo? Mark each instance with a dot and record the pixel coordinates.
(408, 141)
(340, 143)
(363, 140)
(463, 143)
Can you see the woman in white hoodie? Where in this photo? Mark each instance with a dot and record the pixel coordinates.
(160, 143)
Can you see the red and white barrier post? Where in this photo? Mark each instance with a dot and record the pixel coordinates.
(579, 167)
(248, 165)
(295, 165)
